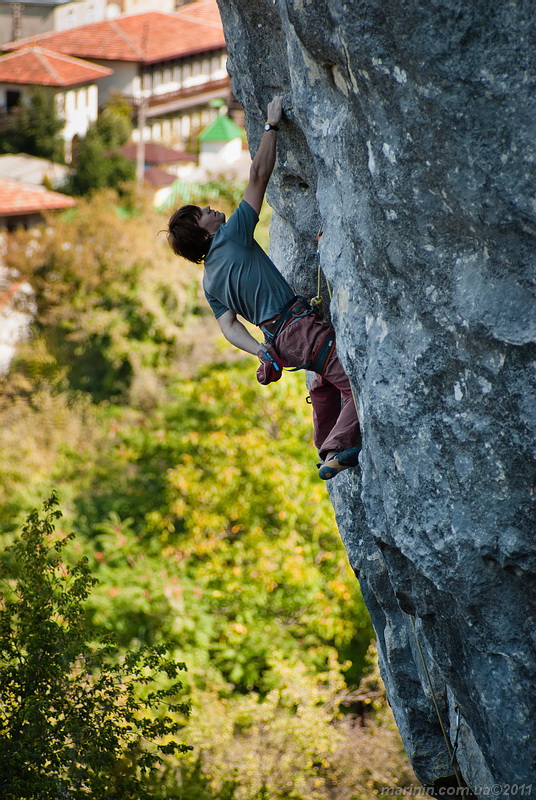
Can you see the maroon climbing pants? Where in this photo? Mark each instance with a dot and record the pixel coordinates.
(336, 425)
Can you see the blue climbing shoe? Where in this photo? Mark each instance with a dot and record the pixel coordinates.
(338, 463)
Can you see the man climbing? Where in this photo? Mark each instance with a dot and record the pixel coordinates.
(240, 279)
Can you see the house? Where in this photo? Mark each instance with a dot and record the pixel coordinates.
(220, 143)
(31, 17)
(162, 166)
(169, 66)
(22, 204)
(72, 81)
(159, 156)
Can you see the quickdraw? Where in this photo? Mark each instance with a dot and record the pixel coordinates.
(318, 301)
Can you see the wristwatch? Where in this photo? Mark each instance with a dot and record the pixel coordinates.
(270, 127)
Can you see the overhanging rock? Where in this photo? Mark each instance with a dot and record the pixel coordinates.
(410, 138)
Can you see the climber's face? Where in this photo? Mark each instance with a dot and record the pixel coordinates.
(210, 220)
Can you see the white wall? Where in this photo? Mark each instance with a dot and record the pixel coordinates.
(218, 153)
(79, 106)
(121, 80)
(138, 6)
(79, 12)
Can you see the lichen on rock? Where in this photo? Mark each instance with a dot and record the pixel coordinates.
(409, 137)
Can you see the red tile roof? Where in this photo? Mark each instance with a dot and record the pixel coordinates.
(149, 37)
(17, 198)
(156, 153)
(158, 177)
(203, 11)
(37, 66)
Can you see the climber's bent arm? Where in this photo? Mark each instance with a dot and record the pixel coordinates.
(237, 334)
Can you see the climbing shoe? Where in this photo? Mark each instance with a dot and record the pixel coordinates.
(338, 463)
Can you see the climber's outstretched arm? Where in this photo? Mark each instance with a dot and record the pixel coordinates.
(264, 160)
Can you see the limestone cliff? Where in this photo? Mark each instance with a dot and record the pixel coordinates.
(409, 138)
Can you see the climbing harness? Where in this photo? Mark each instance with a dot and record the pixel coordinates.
(450, 750)
(294, 310)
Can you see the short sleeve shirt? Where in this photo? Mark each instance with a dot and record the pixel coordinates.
(239, 276)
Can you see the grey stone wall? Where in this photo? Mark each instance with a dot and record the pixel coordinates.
(410, 137)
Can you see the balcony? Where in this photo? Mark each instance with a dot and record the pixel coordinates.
(170, 102)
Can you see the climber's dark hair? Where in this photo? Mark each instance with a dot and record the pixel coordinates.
(184, 235)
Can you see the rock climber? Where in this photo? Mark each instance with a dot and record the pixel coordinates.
(240, 280)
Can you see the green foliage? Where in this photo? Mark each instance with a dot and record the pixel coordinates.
(114, 125)
(96, 166)
(111, 299)
(294, 743)
(34, 128)
(215, 480)
(73, 720)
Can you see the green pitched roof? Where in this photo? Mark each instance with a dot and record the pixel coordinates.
(223, 129)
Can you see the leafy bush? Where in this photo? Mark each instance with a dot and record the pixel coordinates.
(110, 298)
(73, 721)
(96, 165)
(296, 743)
(33, 127)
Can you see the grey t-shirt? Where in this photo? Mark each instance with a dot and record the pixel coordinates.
(239, 276)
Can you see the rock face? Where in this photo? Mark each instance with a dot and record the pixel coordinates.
(409, 138)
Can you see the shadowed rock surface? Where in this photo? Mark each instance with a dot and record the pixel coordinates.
(410, 139)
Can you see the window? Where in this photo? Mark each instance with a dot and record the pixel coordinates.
(12, 99)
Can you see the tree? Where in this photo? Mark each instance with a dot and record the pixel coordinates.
(74, 721)
(96, 165)
(114, 124)
(35, 127)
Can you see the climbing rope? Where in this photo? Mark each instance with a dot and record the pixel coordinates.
(451, 752)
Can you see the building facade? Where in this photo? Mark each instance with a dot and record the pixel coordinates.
(169, 66)
(72, 82)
